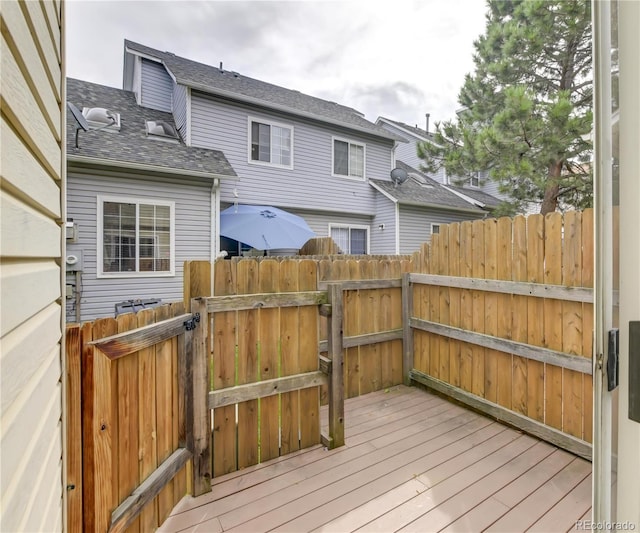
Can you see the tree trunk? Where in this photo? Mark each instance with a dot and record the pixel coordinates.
(550, 200)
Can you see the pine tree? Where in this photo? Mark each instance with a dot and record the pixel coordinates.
(526, 110)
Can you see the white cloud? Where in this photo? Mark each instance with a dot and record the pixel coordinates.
(396, 58)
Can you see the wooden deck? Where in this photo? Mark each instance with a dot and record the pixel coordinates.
(412, 462)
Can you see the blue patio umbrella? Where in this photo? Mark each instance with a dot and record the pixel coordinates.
(264, 227)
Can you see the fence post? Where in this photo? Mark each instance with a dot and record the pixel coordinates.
(73, 343)
(336, 380)
(197, 281)
(200, 422)
(407, 333)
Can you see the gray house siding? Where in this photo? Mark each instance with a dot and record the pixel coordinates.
(408, 153)
(192, 236)
(415, 224)
(180, 95)
(309, 184)
(383, 240)
(157, 86)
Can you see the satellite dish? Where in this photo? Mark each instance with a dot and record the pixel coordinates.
(82, 122)
(399, 176)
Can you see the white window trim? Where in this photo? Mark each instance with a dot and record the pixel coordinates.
(364, 158)
(477, 176)
(434, 225)
(100, 199)
(268, 122)
(354, 226)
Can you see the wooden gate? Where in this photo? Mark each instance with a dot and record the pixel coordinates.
(130, 419)
(264, 386)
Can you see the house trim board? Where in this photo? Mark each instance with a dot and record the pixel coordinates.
(95, 162)
(465, 197)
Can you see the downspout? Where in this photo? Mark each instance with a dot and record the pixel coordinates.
(397, 228)
(215, 224)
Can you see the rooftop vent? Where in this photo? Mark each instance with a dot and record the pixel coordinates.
(421, 180)
(100, 117)
(162, 130)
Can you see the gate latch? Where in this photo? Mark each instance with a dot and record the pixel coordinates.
(613, 360)
(191, 323)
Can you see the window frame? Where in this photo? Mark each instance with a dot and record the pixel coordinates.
(100, 200)
(435, 225)
(349, 143)
(270, 123)
(350, 227)
(474, 176)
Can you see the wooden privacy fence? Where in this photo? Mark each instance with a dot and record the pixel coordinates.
(499, 314)
(130, 419)
(269, 324)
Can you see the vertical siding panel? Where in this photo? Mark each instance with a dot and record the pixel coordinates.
(157, 86)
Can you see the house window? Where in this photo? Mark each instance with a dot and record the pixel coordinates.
(353, 240)
(435, 229)
(474, 180)
(135, 237)
(271, 143)
(348, 159)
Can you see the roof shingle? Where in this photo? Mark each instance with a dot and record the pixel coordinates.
(131, 144)
(214, 80)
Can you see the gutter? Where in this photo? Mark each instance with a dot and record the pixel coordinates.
(143, 167)
(439, 207)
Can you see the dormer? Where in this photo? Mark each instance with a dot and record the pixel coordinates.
(147, 77)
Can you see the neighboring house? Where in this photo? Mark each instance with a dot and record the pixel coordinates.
(32, 363)
(139, 203)
(305, 155)
(419, 206)
(408, 153)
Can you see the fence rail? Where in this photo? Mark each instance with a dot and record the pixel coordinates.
(501, 311)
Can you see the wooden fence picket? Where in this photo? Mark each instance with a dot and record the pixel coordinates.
(504, 260)
(535, 314)
(553, 331)
(478, 298)
(587, 317)
(519, 318)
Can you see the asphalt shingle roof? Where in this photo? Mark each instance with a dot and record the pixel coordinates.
(487, 199)
(411, 129)
(131, 144)
(212, 79)
(414, 193)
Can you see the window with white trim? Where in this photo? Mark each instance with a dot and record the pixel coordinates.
(270, 143)
(435, 229)
(352, 240)
(474, 180)
(135, 237)
(348, 158)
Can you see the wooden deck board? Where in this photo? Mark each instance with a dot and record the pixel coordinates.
(412, 460)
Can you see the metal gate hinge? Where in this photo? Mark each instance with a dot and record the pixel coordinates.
(191, 323)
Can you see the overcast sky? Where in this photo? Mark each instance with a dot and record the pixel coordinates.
(394, 58)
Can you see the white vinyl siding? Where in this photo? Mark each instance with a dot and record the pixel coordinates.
(157, 86)
(348, 158)
(192, 239)
(270, 143)
(31, 251)
(223, 126)
(135, 237)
